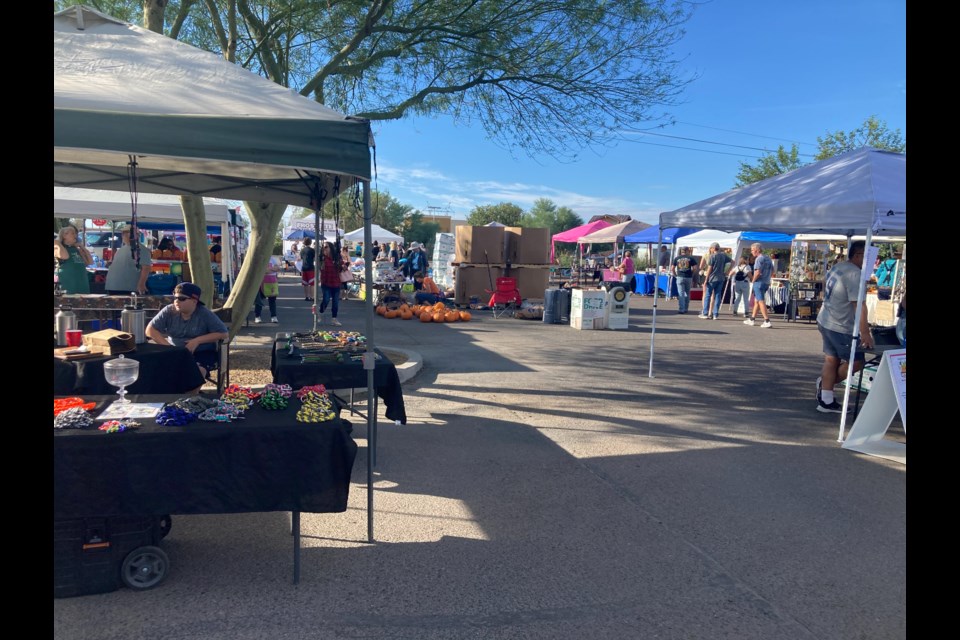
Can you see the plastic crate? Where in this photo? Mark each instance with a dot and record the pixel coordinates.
(90, 554)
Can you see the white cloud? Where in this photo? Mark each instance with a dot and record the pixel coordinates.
(422, 187)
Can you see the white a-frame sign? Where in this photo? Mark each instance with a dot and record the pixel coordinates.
(887, 395)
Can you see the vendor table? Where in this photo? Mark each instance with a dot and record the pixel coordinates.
(103, 307)
(288, 369)
(644, 284)
(163, 369)
(266, 462)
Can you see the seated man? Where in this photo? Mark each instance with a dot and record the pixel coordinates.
(426, 289)
(189, 323)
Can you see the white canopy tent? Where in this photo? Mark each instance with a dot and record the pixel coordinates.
(861, 191)
(70, 202)
(136, 110)
(377, 233)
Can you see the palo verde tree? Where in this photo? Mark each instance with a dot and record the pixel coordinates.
(541, 76)
(506, 213)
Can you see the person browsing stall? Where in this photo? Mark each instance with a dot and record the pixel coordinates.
(626, 268)
(836, 322)
(308, 256)
(189, 323)
(72, 260)
(123, 277)
(330, 268)
(684, 269)
(762, 272)
(426, 289)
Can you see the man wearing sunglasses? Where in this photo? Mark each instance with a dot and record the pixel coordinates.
(189, 323)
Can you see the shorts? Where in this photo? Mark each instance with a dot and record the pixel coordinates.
(759, 289)
(306, 277)
(206, 359)
(837, 345)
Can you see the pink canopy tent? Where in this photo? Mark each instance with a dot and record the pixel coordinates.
(573, 235)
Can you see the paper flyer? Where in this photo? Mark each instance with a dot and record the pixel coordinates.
(132, 411)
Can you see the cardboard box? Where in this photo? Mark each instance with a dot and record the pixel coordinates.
(110, 341)
(479, 245)
(527, 245)
(473, 281)
(588, 309)
(532, 282)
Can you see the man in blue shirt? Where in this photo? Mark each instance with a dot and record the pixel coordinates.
(762, 272)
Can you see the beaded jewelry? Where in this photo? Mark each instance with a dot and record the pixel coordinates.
(74, 418)
(118, 426)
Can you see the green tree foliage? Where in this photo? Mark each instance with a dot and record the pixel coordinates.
(545, 76)
(872, 133)
(386, 211)
(415, 229)
(506, 213)
(544, 213)
(769, 165)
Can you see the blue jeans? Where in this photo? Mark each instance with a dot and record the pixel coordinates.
(712, 290)
(683, 293)
(330, 295)
(429, 298)
(741, 296)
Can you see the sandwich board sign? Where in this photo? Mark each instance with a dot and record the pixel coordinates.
(888, 394)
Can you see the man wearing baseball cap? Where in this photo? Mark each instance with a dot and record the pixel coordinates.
(189, 323)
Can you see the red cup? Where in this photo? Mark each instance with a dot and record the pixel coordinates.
(74, 337)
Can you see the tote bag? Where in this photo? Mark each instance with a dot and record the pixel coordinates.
(271, 288)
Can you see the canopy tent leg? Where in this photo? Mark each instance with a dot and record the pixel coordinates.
(369, 360)
(861, 291)
(656, 297)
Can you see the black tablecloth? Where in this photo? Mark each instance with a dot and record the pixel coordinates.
(162, 370)
(266, 462)
(289, 370)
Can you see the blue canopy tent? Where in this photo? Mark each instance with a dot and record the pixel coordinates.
(300, 234)
(651, 235)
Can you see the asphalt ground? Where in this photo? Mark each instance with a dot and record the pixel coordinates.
(546, 487)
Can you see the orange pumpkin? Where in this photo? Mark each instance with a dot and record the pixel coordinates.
(440, 307)
(393, 313)
(425, 317)
(407, 314)
(415, 309)
(403, 307)
(465, 316)
(381, 310)
(452, 316)
(439, 316)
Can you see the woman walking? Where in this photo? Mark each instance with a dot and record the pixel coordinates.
(330, 268)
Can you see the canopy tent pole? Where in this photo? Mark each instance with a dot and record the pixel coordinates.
(861, 291)
(369, 358)
(656, 296)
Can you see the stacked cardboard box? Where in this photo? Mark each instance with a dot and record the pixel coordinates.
(517, 252)
(444, 251)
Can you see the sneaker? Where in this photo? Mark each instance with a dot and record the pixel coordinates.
(257, 321)
(766, 324)
(703, 317)
(833, 407)
(335, 322)
(715, 318)
(274, 320)
(749, 321)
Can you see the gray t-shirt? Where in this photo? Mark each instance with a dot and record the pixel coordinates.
(123, 274)
(764, 265)
(202, 322)
(718, 267)
(839, 298)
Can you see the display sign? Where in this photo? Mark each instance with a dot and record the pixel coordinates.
(99, 222)
(888, 394)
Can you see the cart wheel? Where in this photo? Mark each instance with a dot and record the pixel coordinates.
(144, 568)
(165, 523)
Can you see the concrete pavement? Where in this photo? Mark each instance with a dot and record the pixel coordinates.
(546, 487)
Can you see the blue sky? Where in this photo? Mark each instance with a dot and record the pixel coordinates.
(770, 73)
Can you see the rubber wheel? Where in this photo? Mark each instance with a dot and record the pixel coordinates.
(165, 523)
(144, 568)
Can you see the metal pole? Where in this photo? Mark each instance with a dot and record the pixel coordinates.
(369, 358)
(861, 290)
(656, 296)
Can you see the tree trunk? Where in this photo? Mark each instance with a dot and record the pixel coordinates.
(264, 220)
(195, 222)
(153, 15)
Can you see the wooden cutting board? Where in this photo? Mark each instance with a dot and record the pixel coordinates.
(62, 353)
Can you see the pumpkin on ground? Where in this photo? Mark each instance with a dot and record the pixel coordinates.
(465, 316)
(425, 317)
(452, 316)
(393, 313)
(406, 314)
(439, 316)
